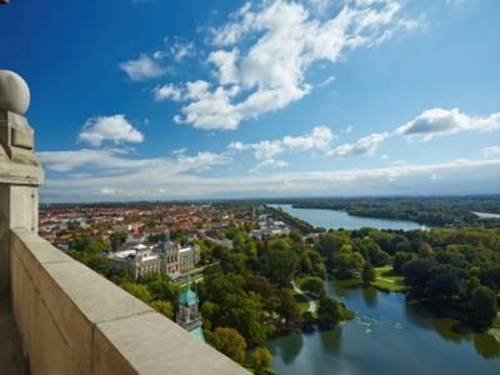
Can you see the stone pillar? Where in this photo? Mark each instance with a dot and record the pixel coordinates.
(20, 171)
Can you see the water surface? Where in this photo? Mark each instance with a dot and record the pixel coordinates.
(336, 219)
(387, 337)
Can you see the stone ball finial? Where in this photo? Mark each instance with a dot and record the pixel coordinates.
(14, 92)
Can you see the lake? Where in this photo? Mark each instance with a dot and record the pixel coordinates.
(335, 219)
(387, 336)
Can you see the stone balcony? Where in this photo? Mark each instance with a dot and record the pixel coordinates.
(56, 315)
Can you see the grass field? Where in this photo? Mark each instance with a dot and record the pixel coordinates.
(303, 303)
(388, 281)
(496, 322)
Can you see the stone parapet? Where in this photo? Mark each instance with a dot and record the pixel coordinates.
(71, 320)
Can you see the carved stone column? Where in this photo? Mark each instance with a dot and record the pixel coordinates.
(20, 171)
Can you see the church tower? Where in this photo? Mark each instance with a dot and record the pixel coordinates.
(188, 315)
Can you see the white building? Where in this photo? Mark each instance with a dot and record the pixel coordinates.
(169, 258)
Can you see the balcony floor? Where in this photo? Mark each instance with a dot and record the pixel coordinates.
(11, 359)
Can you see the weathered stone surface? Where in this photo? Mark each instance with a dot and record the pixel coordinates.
(14, 92)
(11, 359)
(98, 299)
(152, 344)
(18, 208)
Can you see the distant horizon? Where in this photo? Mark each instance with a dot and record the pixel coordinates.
(205, 200)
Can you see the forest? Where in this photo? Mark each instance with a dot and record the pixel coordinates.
(430, 211)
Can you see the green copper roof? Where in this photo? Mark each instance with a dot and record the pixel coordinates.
(188, 298)
(197, 333)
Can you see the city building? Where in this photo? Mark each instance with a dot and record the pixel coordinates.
(188, 315)
(268, 227)
(168, 257)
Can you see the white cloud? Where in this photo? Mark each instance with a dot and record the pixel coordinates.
(225, 61)
(491, 151)
(319, 138)
(174, 179)
(142, 69)
(327, 81)
(263, 53)
(66, 161)
(180, 48)
(438, 121)
(456, 2)
(168, 91)
(349, 129)
(115, 128)
(363, 146)
(117, 161)
(269, 164)
(107, 191)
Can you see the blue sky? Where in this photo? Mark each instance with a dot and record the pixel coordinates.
(141, 99)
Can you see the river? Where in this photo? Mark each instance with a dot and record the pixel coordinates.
(387, 337)
(335, 219)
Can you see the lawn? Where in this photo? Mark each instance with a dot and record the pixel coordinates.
(496, 322)
(387, 280)
(303, 303)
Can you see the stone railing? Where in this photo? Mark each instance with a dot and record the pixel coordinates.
(70, 319)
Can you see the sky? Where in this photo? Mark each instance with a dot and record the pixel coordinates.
(160, 100)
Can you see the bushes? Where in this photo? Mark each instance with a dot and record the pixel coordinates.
(230, 342)
(313, 285)
(331, 312)
(483, 306)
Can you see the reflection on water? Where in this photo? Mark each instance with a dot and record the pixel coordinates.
(332, 341)
(370, 297)
(288, 352)
(388, 336)
(486, 346)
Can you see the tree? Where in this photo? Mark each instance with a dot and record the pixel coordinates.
(209, 311)
(418, 273)
(399, 260)
(313, 285)
(230, 342)
(281, 266)
(290, 310)
(490, 276)
(161, 287)
(368, 274)
(446, 282)
(164, 308)
(426, 250)
(259, 284)
(138, 290)
(306, 266)
(331, 312)
(116, 240)
(483, 305)
(348, 264)
(261, 360)
(80, 242)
